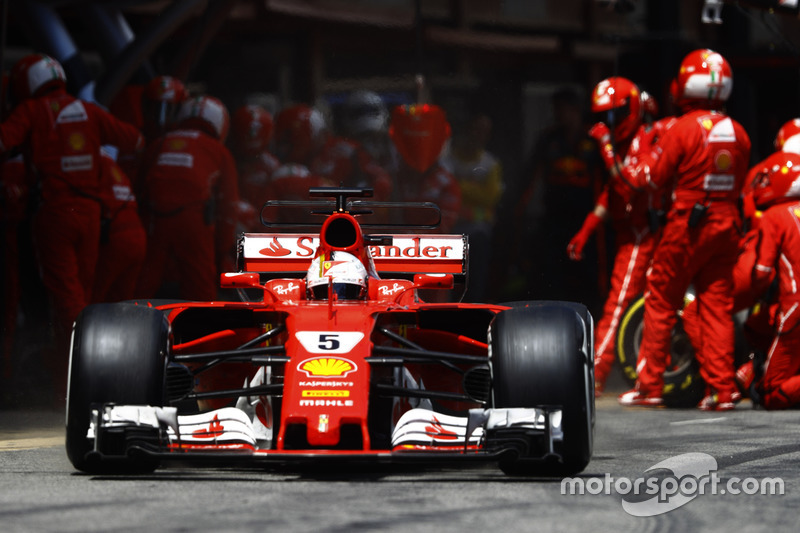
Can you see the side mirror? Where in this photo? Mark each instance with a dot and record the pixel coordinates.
(434, 281)
(240, 280)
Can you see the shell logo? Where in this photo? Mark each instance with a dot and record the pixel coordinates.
(707, 124)
(77, 141)
(327, 367)
(723, 160)
(177, 144)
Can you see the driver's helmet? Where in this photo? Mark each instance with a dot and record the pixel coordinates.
(343, 271)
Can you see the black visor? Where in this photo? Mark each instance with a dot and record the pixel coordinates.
(613, 117)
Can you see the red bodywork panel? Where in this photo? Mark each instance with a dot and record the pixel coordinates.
(327, 379)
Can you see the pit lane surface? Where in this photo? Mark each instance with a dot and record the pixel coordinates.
(39, 490)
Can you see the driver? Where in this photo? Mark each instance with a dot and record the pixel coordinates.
(341, 275)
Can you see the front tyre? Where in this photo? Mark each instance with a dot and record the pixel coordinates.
(541, 355)
(118, 355)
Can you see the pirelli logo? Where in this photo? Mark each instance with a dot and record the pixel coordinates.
(325, 393)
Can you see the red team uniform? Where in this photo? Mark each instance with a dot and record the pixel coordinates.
(191, 194)
(62, 137)
(705, 154)
(344, 161)
(635, 238)
(251, 129)
(123, 241)
(777, 190)
(302, 137)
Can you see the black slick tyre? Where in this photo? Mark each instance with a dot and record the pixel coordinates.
(118, 355)
(541, 355)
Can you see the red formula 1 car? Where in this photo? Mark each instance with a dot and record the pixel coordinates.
(334, 361)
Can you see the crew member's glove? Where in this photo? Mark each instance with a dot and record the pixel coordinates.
(600, 133)
(622, 178)
(578, 242)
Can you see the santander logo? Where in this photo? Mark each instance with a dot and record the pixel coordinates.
(275, 249)
(404, 248)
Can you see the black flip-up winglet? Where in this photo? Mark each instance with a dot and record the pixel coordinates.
(356, 201)
(341, 194)
(378, 240)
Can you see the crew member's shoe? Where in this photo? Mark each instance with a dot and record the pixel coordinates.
(720, 401)
(634, 398)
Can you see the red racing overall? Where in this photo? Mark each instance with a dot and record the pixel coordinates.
(707, 154)
(192, 193)
(779, 250)
(65, 135)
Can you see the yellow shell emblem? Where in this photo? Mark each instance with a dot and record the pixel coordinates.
(177, 144)
(723, 160)
(77, 141)
(327, 367)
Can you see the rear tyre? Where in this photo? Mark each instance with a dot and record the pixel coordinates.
(541, 355)
(118, 355)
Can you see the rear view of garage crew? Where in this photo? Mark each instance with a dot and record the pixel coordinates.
(190, 201)
(61, 137)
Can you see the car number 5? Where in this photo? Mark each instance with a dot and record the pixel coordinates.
(328, 342)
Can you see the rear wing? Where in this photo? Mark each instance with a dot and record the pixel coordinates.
(291, 253)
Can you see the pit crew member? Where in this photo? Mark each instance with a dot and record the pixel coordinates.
(61, 138)
(777, 192)
(251, 133)
(706, 155)
(617, 102)
(190, 203)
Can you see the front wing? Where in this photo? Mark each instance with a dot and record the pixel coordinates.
(230, 434)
